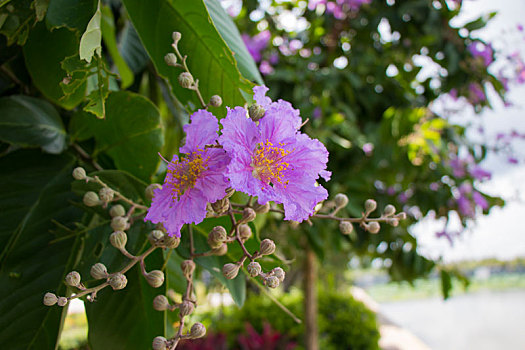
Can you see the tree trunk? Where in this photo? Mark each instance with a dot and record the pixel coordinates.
(310, 300)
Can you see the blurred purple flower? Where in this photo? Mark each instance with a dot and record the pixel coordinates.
(368, 148)
(458, 167)
(479, 49)
(316, 114)
(434, 186)
(257, 44)
(266, 68)
(480, 200)
(520, 27)
(274, 58)
(512, 160)
(480, 174)
(476, 94)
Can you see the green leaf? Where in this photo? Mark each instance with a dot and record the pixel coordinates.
(40, 9)
(131, 133)
(91, 40)
(209, 58)
(16, 20)
(31, 122)
(132, 50)
(446, 284)
(34, 188)
(480, 22)
(73, 14)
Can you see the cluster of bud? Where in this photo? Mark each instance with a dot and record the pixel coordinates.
(370, 206)
(118, 239)
(186, 80)
(186, 308)
(117, 210)
(155, 278)
(372, 227)
(217, 237)
(99, 271)
(230, 270)
(248, 215)
(91, 199)
(118, 281)
(254, 269)
(119, 223)
(245, 232)
(161, 303)
(274, 278)
(221, 206)
(267, 247)
(106, 194)
(346, 227)
(389, 210)
(73, 279)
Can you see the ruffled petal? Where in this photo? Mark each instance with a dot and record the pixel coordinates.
(280, 122)
(201, 131)
(239, 133)
(299, 199)
(212, 182)
(161, 200)
(259, 95)
(190, 208)
(307, 158)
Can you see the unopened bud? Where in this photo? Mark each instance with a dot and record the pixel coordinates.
(222, 250)
(118, 239)
(79, 173)
(245, 232)
(187, 266)
(186, 80)
(155, 236)
(159, 343)
(150, 190)
(341, 200)
(176, 37)
(267, 247)
(401, 216)
(279, 273)
(117, 210)
(99, 271)
(171, 242)
(389, 210)
(186, 308)
(230, 271)
(91, 199)
(217, 236)
(170, 59)
(197, 330)
(248, 214)
(373, 227)
(155, 278)
(262, 208)
(370, 205)
(256, 112)
(221, 206)
(272, 281)
(254, 268)
(50, 299)
(346, 227)
(106, 194)
(119, 223)
(62, 301)
(215, 101)
(393, 222)
(161, 303)
(73, 279)
(229, 192)
(118, 281)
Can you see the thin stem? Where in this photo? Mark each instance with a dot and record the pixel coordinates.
(119, 195)
(184, 66)
(281, 306)
(86, 156)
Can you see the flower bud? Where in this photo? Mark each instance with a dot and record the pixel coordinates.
(161, 303)
(279, 273)
(215, 101)
(176, 37)
(245, 232)
(222, 250)
(221, 206)
(230, 271)
(229, 192)
(150, 190)
(118, 239)
(155, 278)
(401, 216)
(373, 227)
(171, 241)
(346, 227)
(370, 205)
(256, 112)
(79, 173)
(393, 222)
(341, 200)
(117, 210)
(170, 59)
(197, 330)
(50, 299)
(217, 236)
(187, 266)
(118, 281)
(159, 343)
(186, 308)
(73, 279)
(119, 223)
(248, 214)
(62, 301)
(267, 247)
(91, 199)
(262, 208)
(99, 271)
(254, 268)
(106, 194)
(186, 80)
(389, 210)
(272, 281)
(155, 237)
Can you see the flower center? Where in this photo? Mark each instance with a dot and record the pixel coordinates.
(268, 164)
(185, 172)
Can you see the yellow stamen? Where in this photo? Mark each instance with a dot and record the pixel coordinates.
(186, 172)
(268, 164)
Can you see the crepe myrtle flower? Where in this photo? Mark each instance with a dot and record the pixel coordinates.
(192, 180)
(272, 160)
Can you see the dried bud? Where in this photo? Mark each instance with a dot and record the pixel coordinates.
(248, 214)
(230, 271)
(221, 206)
(150, 190)
(99, 271)
(73, 279)
(267, 247)
(50, 299)
(245, 232)
(118, 239)
(187, 266)
(170, 59)
(341, 200)
(222, 250)
(117, 210)
(79, 173)
(254, 268)
(119, 223)
(106, 194)
(346, 227)
(62, 301)
(197, 330)
(262, 208)
(186, 80)
(171, 242)
(401, 216)
(279, 273)
(370, 205)
(155, 278)
(155, 237)
(118, 281)
(373, 227)
(272, 281)
(159, 343)
(186, 308)
(256, 112)
(176, 37)
(389, 210)
(217, 236)
(393, 222)
(161, 303)
(91, 199)
(215, 101)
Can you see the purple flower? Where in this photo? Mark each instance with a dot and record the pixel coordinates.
(257, 44)
(480, 200)
(368, 148)
(266, 68)
(458, 167)
(272, 159)
(478, 49)
(476, 94)
(480, 174)
(512, 160)
(193, 180)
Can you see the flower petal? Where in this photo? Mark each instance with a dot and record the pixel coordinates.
(201, 131)
(259, 95)
(299, 199)
(190, 208)
(212, 182)
(239, 133)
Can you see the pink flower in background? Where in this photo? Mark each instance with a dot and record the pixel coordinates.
(266, 68)
(257, 44)
(479, 49)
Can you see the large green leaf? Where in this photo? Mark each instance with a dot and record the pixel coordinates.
(73, 14)
(131, 133)
(31, 122)
(91, 40)
(34, 189)
(209, 58)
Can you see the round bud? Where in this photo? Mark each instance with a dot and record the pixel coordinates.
(230, 271)
(272, 281)
(50, 299)
(176, 37)
(118, 239)
(187, 266)
(62, 301)
(171, 241)
(186, 308)
(119, 223)
(79, 173)
(217, 236)
(256, 112)
(155, 278)
(215, 101)
(346, 227)
(161, 303)
(222, 250)
(373, 227)
(159, 343)
(393, 222)
(197, 330)
(73, 279)
(341, 200)
(267, 247)
(229, 192)
(91, 199)
(279, 273)
(401, 216)
(186, 80)
(389, 210)
(254, 268)
(170, 59)
(117, 210)
(106, 194)
(99, 271)
(155, 237)
(118, 281)
(221, 206)
(248, 214)
(370, 205)
(150, 190)
(262, 208)
(245, 232)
